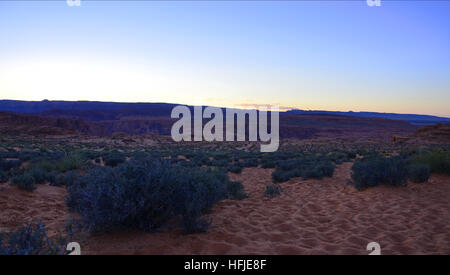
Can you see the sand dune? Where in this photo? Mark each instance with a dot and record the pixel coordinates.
(310, 217)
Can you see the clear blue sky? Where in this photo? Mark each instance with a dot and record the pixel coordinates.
(333, 55)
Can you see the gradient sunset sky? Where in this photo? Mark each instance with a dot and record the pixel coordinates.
(312, 55)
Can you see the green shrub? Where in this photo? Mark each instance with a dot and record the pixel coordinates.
(351, 155)
(280, 175)
(419, 173)
(252, 162)
(375, 170)
(30, 239)
(46, 165)
(114, 159)
(235, 190)
(310, 167)
(6, 165)
(4, 177)
(145, 195)
(273, 190)
(268, 163)
(66, 179)
(24, 181)
(235, 169)
(71, 162)
(318, 170)
(438, 161)
(38, 175)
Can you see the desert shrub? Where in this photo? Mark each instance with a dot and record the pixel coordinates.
(71, 162)
(38, 174)
(30, 239)
(251, 162)
(235, 190)
(69, 178)
(9, 154)
(308, 167)
(141, 156)
(114, 159)
(235, 168)
(351, 155)
(64, 178)
(60, 163)
(87, 154)
(318, 170)
(273, 190)
(419, 173)
(195, 192)
(199, 159)
(268, 163)
(59, 180)
(338, 157)
(221, 155)
(287, 165)
(4, 177)
(24, 181)
(145, 195)
(438, 161)
(280, 175)
(311, 172)
(46, 165)
(376, 170)
(6, 165)
(219, 163)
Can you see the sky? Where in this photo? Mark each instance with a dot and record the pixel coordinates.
(311, 55)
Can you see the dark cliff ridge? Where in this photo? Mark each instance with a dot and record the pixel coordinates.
(24, 124)
(98, 111)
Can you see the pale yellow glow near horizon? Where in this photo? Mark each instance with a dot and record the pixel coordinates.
(120, 81)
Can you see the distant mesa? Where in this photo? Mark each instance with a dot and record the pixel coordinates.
(106, 118)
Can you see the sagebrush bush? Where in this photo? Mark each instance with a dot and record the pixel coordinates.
(306, 168)
(235, 168)
(266, 163)
(375, 170)
(38, 174)
(113, 159)
(438, 161)
(351, 155)
(4, 177)
(24, 181)
(419, 173)
(145, 195)
(280, 175)
(235, 190)
(6, 165)
(30, 239)
(65, 178)
(318, 170)
(273, 190)
(71, 162)
(252, 162)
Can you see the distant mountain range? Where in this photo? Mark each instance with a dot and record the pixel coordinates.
(38, 107)
(106, 118)
(98, 111)
(411, 118)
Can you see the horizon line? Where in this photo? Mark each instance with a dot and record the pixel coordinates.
(285, 109)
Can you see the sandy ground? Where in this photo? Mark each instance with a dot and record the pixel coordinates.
(46, 203)
(310, 217)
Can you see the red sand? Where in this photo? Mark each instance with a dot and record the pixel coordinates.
(310, 217)
(46, 203)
